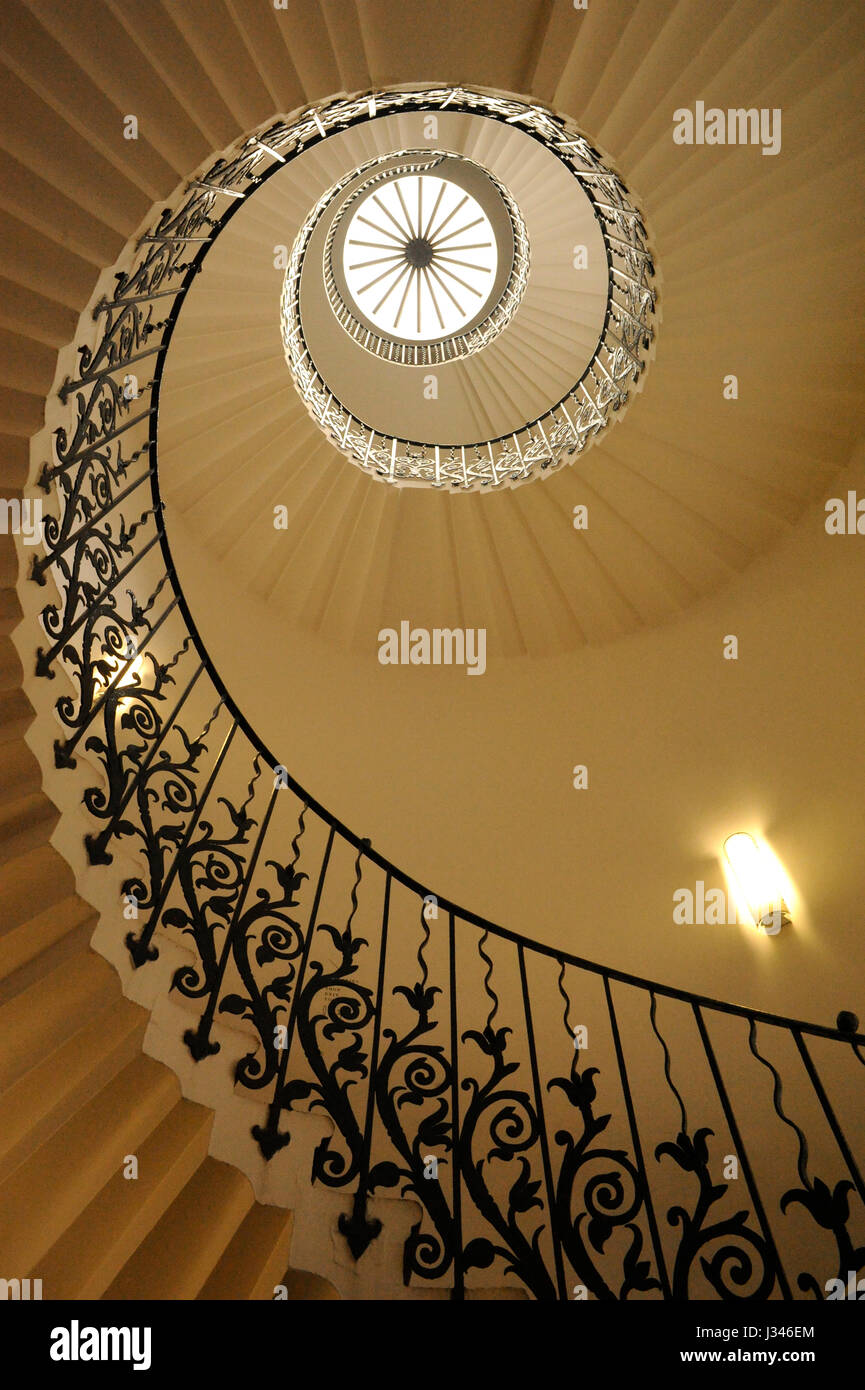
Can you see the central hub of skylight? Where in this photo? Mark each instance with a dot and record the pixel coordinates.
(419, 252)
(419, 258)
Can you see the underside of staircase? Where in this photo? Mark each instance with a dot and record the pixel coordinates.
(78, 1095)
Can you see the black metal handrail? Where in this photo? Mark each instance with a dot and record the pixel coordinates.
(493, 1129)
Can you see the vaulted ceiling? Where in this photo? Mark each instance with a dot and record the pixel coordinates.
(760, 278)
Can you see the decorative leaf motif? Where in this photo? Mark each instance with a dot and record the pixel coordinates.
(523, 1193)
(220, 907)
(579, 1088)
(384, 1175)
(289, 881)
(295, 1090)
(351, 1058)
(434, 1131)
(690, 1154)
(492, 1041)
(478, 1254)
(233, 1004)
(830, 1209)
(420, 999)
(638, 1273)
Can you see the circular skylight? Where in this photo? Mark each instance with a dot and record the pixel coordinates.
(420, 257)
(424, 253)
(372, 268)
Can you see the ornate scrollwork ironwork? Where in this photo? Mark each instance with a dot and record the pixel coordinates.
(509, 1122)
(413, 1079)
(210, 872)
(611, 1193)
(391, 1086)
(733, 1265)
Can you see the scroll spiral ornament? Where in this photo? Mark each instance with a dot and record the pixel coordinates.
(591, 1205)
(414, 1081)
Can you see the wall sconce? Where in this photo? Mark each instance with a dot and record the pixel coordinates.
(757, 879)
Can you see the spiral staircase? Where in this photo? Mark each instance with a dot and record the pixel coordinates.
(119, 1035)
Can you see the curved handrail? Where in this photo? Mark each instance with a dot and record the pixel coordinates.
(447, 905)
(488, 1101)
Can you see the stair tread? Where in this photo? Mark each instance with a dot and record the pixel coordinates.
(48, 1094)
(52, 1008)
(254, 1259)
(69, 1169)
(26, 936)
(94, 1249)
(186, 1244)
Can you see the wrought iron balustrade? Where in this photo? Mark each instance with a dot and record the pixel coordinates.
(559, 1125)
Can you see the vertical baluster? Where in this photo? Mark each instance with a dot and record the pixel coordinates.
(740, 1149)
(635, 1140)
(268, 1136)
(198, 1039)
(829, 1113)
(139, 947)
(539, 1109)
(458, 1291)
(360, 1229)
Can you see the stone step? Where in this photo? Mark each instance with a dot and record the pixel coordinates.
(50, 1094)
(97, 1246)
(46, 1011)
(26, 822)
(184, 1247)
(38, 907)
(254, 1261)
(67, 1172)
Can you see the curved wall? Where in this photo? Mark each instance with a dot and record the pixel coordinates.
(466, 782)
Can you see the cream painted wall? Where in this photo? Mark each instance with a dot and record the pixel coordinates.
(465, 782)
